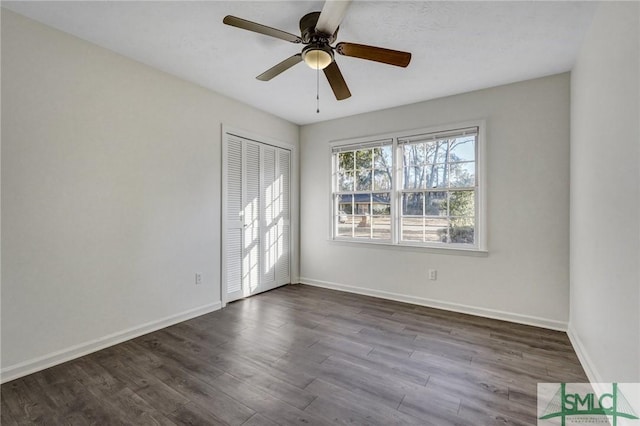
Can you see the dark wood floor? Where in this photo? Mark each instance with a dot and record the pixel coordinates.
(304, 355)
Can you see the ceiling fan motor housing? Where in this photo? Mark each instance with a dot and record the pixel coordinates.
(308, 30)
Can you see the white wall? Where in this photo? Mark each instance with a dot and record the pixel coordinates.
(605, 191)
(110, 194)
(525, 276)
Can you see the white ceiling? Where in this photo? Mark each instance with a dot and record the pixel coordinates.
(457, 46)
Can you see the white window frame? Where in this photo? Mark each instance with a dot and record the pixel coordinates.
(396, 191)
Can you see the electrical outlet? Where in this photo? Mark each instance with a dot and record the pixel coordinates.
(433, 274)
(198, 279)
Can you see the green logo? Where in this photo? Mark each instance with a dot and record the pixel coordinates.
(581, 404)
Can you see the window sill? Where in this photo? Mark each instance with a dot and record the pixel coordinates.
(457, 251)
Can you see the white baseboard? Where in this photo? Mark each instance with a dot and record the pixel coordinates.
(583, 356)
(438, 304)
(31, 366)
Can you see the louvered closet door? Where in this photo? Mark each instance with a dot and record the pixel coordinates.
(275, 235)
(251, 259)
(232, 219)
(282, 218)
(269, 228)
(257, 236)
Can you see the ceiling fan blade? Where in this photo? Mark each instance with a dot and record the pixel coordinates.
(280, 68)
(336, 80)
(372, 53)
(331, 16)
(261, 29)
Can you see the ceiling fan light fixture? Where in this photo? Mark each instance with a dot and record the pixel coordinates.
(317, 58)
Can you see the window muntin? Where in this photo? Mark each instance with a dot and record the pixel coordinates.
(415, 190)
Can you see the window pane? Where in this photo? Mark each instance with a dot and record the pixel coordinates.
(412, 229)
(364, 159)
(462, 230)
(413, 177)
(345, 226)
(434, 176)
(437, 152)
(362, 226)
(345, 181)
(413, 204)
(382, 180)
(463, 149)
(425, 177)
(436, 203)
(381, 227)
(462, 174)
(363, 180)
(363, 207)
(382, 158)
(345, 161)
(381, 204)
(435, 230)
(414, 154)
(345, 204)
(462, 203)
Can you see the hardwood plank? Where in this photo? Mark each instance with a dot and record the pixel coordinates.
(440, 409)
(362, 404)
(279, 368)
(348, 375)
(131, 408)
(485, 416)
(162, 397)
(339, 414)
(328, 346)
(5, 414)
(484, 396)
(254, 376)
(387, 368)
(24, 405)
(259, 420)
(263, 402)
(121, 366)
(193, 414)
(219, 404)
(75, 404)
(395, 339)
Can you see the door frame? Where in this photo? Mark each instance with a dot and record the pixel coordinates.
(293, 201)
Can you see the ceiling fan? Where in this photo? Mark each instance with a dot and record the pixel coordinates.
(318, 30)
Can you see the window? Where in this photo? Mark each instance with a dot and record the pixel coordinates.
(363, 191)
(423, 189)
(439, 188)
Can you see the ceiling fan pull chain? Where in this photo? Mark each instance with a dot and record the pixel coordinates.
(318, 90)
